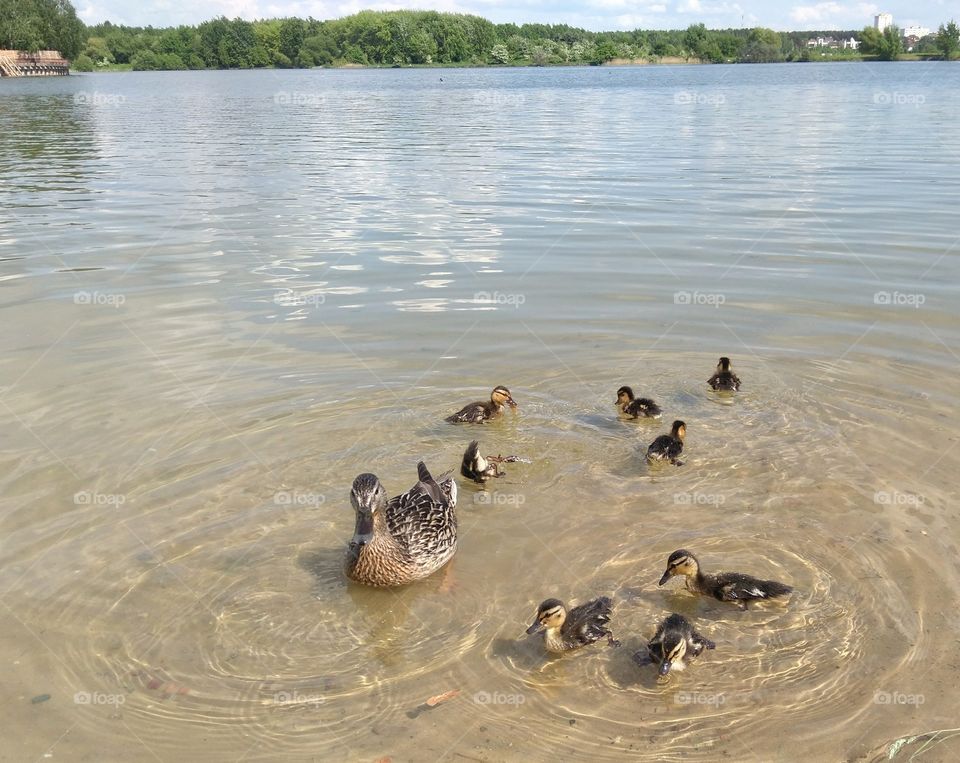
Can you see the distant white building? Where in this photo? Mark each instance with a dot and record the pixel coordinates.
(915, 30)
(853, 44)
(882, 20)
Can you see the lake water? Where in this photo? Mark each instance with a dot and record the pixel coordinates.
(225, 294)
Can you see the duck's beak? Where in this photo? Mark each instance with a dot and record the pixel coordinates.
(664, 578)
(665, 667)
(512, 403)
(363, 530)
(535, 628)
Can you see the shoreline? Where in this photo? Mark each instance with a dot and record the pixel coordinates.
(616, 62)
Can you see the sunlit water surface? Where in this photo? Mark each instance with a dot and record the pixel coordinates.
(225, 294)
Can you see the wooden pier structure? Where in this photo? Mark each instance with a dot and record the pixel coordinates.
(43, 63)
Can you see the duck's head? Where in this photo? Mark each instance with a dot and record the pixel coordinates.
(723, 364)
(679, 429)
(669, 651)
(368, 497)
(551, 614)
(624, 395)
(680, 562)
(501, 396)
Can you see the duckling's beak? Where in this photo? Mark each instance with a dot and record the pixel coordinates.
(512, 403)
(535, 628)
(665, 667)
(664, 579)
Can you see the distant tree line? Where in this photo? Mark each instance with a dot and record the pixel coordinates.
(401, 38)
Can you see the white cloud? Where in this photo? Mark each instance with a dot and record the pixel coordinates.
(806, 13)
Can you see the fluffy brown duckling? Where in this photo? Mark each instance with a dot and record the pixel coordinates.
(675, 639)
(668, 447)
(723, 586)
(479, 468)
(640, 407)
(582, 625)
(479, 412)
(724, 378)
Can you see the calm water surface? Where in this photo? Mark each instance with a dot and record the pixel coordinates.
(225, 294)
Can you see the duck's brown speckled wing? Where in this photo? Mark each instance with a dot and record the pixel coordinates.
(423, 520)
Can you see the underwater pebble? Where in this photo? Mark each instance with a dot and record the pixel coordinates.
(39, 698)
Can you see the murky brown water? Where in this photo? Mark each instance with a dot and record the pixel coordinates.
(225, 294)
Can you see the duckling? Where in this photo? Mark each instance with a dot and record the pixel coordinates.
(724, 378)
(667, 447)
(479, 412)
(641, 407)
(675, 639)
(405, 538)
(582, 625)
(724, 586)
(479, 469)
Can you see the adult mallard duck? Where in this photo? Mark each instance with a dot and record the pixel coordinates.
(479, 468)
(675, 639)
(724, 378)
(580, 626)
(640, 407)
(668, 447)
(405, 538)
(479, 412)
(723, 586)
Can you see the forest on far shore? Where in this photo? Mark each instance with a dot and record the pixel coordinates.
(404, 38)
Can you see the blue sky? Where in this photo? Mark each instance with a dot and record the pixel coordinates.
(590, 14)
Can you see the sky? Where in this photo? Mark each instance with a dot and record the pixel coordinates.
(597, 15)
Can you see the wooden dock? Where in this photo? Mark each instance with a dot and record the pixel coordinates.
(43, 63)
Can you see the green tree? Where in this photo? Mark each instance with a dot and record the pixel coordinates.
(605, 51)
(146, 61)
(891, 44)
(41, 25)
(291, 35)
(870, 40)
(82, 63)
(948, 40)
(763, 46)
(695, 40)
